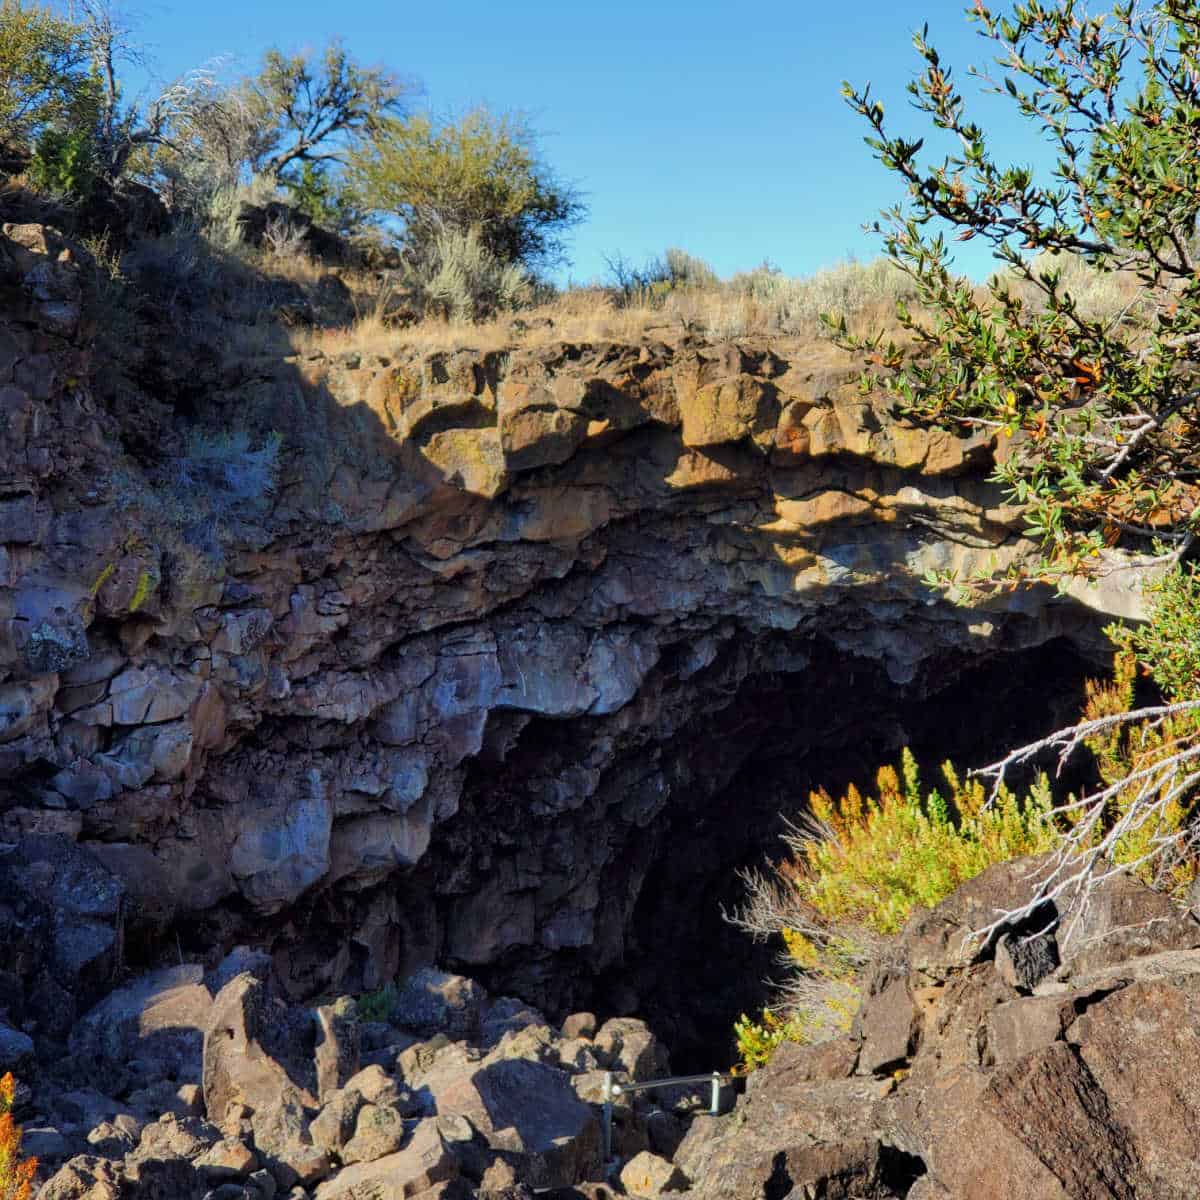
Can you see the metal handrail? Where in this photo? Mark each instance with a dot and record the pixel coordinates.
(613, 1089)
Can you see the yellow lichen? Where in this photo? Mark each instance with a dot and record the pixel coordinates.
(102, 579)
(145, 585)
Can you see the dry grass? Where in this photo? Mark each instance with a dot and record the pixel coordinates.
(762, 303)
(1109, 296)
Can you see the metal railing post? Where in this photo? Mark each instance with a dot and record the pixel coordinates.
(715, 1106)
(608, 1116)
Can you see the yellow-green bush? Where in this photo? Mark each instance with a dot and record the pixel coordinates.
(882, 857)
(862, 864)
(1158, 846)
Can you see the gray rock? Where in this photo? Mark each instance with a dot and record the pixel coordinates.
(333, 1126)
(159, 1019)
(423, 1162)
(116, 1138)
(626, 1044)
(87, 1177)
(227, 1160)
(378, 1131)
(241, 960)
(264, 1181)
(337, 1050)
(1023, 962)
(174, 1138)
(1124, 920)
(648, 1176)
(507, 1015)
(89, 1108)
(530, 1110)
(431, 1002)
(237, 1069)
(580, 1025)
(45, 1143)
(887, 1025)
(375, 1086)
(16, 1049)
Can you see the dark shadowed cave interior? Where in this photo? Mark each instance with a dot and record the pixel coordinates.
(747, 766)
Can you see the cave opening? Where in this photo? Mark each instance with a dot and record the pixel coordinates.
(788, 718)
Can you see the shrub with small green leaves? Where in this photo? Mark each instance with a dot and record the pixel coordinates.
(859, 867)
(1168, 644)
(64, 163)
(45, 76)
(377, 1005)
(877, 859)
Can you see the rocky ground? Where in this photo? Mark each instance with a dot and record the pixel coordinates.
(188, 1084)
(1057, 1064)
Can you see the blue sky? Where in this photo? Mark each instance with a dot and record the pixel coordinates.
(710, 125)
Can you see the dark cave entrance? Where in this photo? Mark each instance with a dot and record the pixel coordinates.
(737, 748)
(692, 972)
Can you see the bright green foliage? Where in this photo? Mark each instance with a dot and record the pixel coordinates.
(1096, 400)
(64, 163)
(327, 199)
(883, 857)
(482, 171)
(45, 80)
(377, 1005)
(758, 1040)
(1169, 644)
(865, 864)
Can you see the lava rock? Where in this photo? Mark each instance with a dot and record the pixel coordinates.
(432, 1002)
(158, 1019)
(648, 1176)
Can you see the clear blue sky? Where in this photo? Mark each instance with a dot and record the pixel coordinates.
(710, 125)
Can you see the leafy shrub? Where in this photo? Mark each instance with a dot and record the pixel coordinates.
(758, 1040)
(1152, 803)
(377, 1005)
(327, 199)
(872, 861)
(44, 77)
(859, 866)
(64, 163)
(1169, 643)
(457, 277)
(16, 1174)
(482, 172)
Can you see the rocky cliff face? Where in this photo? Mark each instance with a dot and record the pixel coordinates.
(470, 662)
